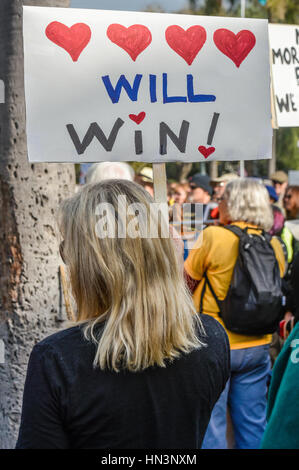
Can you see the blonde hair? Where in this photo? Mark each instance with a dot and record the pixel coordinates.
(248, 200)
(133, 288)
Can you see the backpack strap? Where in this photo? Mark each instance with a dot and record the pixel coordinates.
(207, 282)
(202, 294)
(241, 232)
(285, 253)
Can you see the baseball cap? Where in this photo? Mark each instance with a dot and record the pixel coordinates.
(225, 178)
(201, 181)
(279, 176)
(146, 174)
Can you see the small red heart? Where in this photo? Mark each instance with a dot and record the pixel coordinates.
(206, 151)
(235, 46)
(133, 39)
(187, 43)
(138, 118)
(73, 39)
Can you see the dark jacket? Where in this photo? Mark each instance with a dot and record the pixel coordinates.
(69, 404)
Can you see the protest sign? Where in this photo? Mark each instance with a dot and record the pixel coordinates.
(132, 86)
(284, 44)
(293, 177)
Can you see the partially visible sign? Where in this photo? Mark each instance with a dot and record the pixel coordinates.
(293, 177)
(110, 85)
(284, 44)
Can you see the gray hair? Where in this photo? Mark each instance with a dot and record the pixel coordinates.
(109, 170)
(248, 200)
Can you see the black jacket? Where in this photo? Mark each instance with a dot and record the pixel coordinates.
(69, 404)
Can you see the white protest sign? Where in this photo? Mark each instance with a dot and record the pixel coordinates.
(132, 86)
(284, 44)
(293, 177)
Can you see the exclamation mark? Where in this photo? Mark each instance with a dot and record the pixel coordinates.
(207, 151)
(212, 128)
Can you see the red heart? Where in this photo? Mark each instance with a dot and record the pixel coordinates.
(235, 46)
(206, 151)
(138, 118)
(73, 39)
(133, 40)
(186, 43)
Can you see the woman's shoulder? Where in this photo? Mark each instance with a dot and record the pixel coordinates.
(215, 354)
(65, 349)
(63, 339)
(215, 335)
(212, 326)
(217, 231)
(214, 229)
(217, 235)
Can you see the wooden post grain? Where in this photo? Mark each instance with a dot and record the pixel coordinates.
(160, 184)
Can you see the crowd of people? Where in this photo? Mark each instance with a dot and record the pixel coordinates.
(164, 354)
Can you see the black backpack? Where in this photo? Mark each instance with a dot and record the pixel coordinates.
(253, 302)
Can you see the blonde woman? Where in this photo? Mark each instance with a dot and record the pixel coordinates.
(245, 203)
(140, 369)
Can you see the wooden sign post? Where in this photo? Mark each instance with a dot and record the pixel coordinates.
(160, 183)
(160, 189)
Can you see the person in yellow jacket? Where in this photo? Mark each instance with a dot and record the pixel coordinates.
(245, 202)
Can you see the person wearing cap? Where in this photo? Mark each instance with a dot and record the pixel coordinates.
(201, 190)
(201, 193)
(219, 183)
(280, 182)
(146, 179)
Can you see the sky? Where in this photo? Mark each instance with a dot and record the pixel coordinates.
(125, 5)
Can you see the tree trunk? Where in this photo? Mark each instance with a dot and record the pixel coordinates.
(30, 301)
